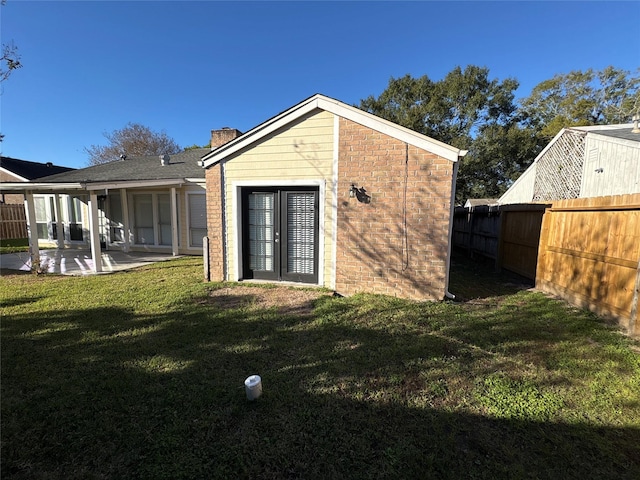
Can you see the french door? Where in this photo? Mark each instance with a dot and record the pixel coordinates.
(280, 234)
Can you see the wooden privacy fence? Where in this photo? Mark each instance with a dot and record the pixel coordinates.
(13, 221)
(508, 234)
(589, 254)
(520, 226)
(476, 229)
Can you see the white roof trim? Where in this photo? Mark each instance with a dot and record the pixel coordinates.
(9, 172)
(89, 186)
(133, 184)
(595, 128)
(24, 186)
(342, 110)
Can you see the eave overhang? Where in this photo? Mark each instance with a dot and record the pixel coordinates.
(89, 186)
(340, 109)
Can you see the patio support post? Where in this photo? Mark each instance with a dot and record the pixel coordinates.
(30, 208)
(174, 222)
(125, 219)
(94, 234)
(58, 214)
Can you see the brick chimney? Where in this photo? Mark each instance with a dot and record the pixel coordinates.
(222, 136)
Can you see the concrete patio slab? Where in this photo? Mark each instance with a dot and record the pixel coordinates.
(79, 262)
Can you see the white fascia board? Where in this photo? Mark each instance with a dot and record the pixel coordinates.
(549, 145)
(593, 128)
(134, 184)
(535, 161)
(258, 132)
(35, 186)
(389, 128)
(18, 177)
(199, 181)
(341, 109)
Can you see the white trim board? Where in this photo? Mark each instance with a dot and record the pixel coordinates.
(237, 219)
(343, 110)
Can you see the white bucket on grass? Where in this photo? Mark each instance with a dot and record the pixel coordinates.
(253, 387)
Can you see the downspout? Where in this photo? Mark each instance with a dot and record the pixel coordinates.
(456, 165)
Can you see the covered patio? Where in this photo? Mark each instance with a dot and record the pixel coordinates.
(80, 261)
(114, 215)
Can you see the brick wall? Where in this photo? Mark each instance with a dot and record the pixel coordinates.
(224, 135)
(215, 231)
(12, 198)
(397, 243)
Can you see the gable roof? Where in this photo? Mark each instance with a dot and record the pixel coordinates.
(620, 132)
(181, 165)
(27, 170)
(336, 107)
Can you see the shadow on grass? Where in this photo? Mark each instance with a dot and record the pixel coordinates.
(477, 278)
(358, 390)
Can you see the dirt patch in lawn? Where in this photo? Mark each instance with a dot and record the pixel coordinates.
(287, 300)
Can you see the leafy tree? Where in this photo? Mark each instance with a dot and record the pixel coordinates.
(132, 140)
(497, 157)
(582, 98)
(195, 146)
(450, 110)
(468, 110)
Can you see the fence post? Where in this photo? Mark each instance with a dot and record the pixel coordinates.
(634, 328)
(545, 227)
(499, 252)
(205, 257)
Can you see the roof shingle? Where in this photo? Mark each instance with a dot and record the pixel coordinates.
(181, 165)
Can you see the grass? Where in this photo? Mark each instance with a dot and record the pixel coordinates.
(140, 375)
(14, 245)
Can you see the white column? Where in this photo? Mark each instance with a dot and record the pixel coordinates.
(58, 214)
(32, 228)
(94, 233)
(125, 218)
(174, 222)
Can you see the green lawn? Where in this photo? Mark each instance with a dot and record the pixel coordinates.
(140, 375)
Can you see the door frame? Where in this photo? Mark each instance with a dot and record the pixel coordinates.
(235, 257)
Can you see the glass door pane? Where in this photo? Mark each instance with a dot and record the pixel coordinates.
(197, 219)
(261, 231)
(143, 219)
(164, 218)
(41, 217)
(75, 219)
(300, 245)
(116, 219)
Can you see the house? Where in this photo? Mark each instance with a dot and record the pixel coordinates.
(151, 204)
(582, 162)
(329, 195)
(480, 202)
(16, 170)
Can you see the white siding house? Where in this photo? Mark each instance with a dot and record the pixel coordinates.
(582, 162)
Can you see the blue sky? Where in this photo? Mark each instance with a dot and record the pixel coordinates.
(188, 67)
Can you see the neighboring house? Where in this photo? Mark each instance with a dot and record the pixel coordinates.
(582, 162)
(479, 202)
(329, 195)
(135, 204)
(15, 170)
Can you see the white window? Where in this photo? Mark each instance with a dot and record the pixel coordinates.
(143, 233)
(152, 219)
(197, 204)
